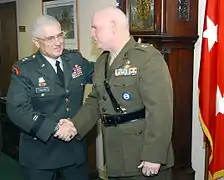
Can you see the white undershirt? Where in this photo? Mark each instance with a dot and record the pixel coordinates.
(53, 62)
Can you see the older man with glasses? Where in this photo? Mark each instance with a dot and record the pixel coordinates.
(46, 87)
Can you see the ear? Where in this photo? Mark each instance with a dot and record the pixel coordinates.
(36, 42)
(113, 27)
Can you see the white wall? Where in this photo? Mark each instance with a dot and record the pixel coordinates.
(28, 11)
(88, 50)
(86, 10)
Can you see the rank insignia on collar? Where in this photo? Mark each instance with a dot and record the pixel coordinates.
(41, 82)
(77, 71)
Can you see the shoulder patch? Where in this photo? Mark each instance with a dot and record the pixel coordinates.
(16, 70)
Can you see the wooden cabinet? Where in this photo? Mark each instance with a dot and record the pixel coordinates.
(173, 31)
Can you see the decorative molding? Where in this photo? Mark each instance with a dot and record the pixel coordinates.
(184, 9)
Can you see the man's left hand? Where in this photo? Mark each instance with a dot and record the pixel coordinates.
(66, 131)
(149, 169)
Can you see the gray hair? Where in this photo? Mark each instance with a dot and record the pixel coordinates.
(41, 21)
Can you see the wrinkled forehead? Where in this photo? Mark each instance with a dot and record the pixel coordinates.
(51, 29)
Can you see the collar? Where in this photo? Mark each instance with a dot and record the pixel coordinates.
(53, 61)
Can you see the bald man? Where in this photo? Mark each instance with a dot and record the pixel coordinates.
(132, 95)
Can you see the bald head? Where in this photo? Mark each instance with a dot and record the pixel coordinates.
(110, 28)
(114, 15)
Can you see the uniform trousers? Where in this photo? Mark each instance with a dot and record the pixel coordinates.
(67, 173)
(162, 175)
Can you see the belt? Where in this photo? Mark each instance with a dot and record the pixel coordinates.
(114, 120)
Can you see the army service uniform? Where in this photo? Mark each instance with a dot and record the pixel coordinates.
(139, 79)
(37, 100)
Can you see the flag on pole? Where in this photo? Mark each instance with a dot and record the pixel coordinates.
(211, 85)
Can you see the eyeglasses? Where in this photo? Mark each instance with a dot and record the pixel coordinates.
(53, 39)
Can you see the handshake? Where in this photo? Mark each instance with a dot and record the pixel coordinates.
(66, 130)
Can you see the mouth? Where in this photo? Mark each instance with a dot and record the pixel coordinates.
(58, 49)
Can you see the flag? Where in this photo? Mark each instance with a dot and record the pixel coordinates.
(211, 85)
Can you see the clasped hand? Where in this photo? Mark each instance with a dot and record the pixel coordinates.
(66, 131)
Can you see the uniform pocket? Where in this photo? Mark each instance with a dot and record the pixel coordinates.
(123, 81)
(132, 142)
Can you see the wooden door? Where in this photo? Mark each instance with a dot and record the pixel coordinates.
(8, 44)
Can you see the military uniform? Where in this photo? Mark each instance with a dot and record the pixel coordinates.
(138, 78)
(37, 100)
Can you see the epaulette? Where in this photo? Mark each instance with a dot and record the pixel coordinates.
(18, 64)
(142, 46)
(27, 59)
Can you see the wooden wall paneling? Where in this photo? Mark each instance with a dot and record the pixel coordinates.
(176, 26)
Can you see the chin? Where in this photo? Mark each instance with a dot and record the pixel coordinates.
(101, 48)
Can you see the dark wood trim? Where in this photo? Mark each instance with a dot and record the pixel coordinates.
(166, 39)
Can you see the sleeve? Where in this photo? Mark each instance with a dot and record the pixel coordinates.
(88, 71)
(157, 94)
(20, 110)
(88, 115)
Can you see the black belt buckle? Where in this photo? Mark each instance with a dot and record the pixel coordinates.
(108, 120)
(104, 120)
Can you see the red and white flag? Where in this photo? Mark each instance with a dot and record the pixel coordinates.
(211, 85)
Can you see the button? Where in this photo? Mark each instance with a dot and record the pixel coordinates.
(67, 100)
(67, 109)
(35, 138)
(67, 91)
(103, 109)
(104, 98)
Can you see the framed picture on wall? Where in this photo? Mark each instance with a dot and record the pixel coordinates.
(65, 11)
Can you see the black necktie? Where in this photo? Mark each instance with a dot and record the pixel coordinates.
(60, 72)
